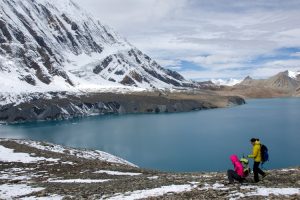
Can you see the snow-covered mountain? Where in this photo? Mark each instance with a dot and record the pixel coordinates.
(226, 82)
(53, 45)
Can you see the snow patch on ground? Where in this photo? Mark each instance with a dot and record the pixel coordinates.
(155, 192)
(262, 191)
(288, 170)
(21, 174)
(8, 191)
(274, 191)
(216, 186)
(13, 177)
(87, 154)
(8, 155)
(153, 177)
(67, 163)
(116, 173)
(236, 195)
(194, 182)
(51, 197)
(206, 176)
(78, 181)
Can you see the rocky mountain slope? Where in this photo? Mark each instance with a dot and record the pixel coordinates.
(61, 105)
(286, 80)
(39, 170)
(297, 93)
(53, 45)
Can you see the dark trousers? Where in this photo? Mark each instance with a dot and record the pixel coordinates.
(256, 171)
(232, 175)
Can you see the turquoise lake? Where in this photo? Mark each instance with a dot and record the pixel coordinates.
(185, 142)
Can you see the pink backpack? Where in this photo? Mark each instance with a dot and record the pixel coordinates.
(238, 167)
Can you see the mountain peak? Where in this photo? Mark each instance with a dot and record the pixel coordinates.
(291, 74)
(248, 78)
(247, 81)
(283, 80)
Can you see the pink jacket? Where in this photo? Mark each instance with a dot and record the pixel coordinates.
(238, 167)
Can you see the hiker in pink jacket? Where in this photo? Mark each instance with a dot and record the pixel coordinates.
(238, 172)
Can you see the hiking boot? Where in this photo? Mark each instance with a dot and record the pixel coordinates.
(242, 181)
(265, 174)
(229, 183)
(254, 181)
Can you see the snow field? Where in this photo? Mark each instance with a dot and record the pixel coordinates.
(8, 191)
(155, 192)
(8, 155)
(116, 173)
(87, 154)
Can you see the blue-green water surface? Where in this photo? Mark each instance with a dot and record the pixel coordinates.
(193, 141)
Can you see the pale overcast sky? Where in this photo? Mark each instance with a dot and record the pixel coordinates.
(205, 39)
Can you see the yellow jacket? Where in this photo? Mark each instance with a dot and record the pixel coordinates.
(256, 153)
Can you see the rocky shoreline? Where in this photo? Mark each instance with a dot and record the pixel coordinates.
(65, 105)
(40, 170)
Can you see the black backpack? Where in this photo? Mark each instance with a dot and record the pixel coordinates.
(264, 154)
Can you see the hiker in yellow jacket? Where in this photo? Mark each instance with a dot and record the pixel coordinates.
(256, 155)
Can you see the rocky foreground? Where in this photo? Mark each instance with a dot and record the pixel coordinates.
(39, 170)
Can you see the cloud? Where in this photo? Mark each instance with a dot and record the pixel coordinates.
(201, 75)
(128, 15)
(296, 54)
(227, 38)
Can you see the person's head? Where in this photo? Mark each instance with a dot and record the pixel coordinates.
(253, 140)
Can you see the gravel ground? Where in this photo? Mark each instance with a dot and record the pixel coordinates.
(49, 175)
